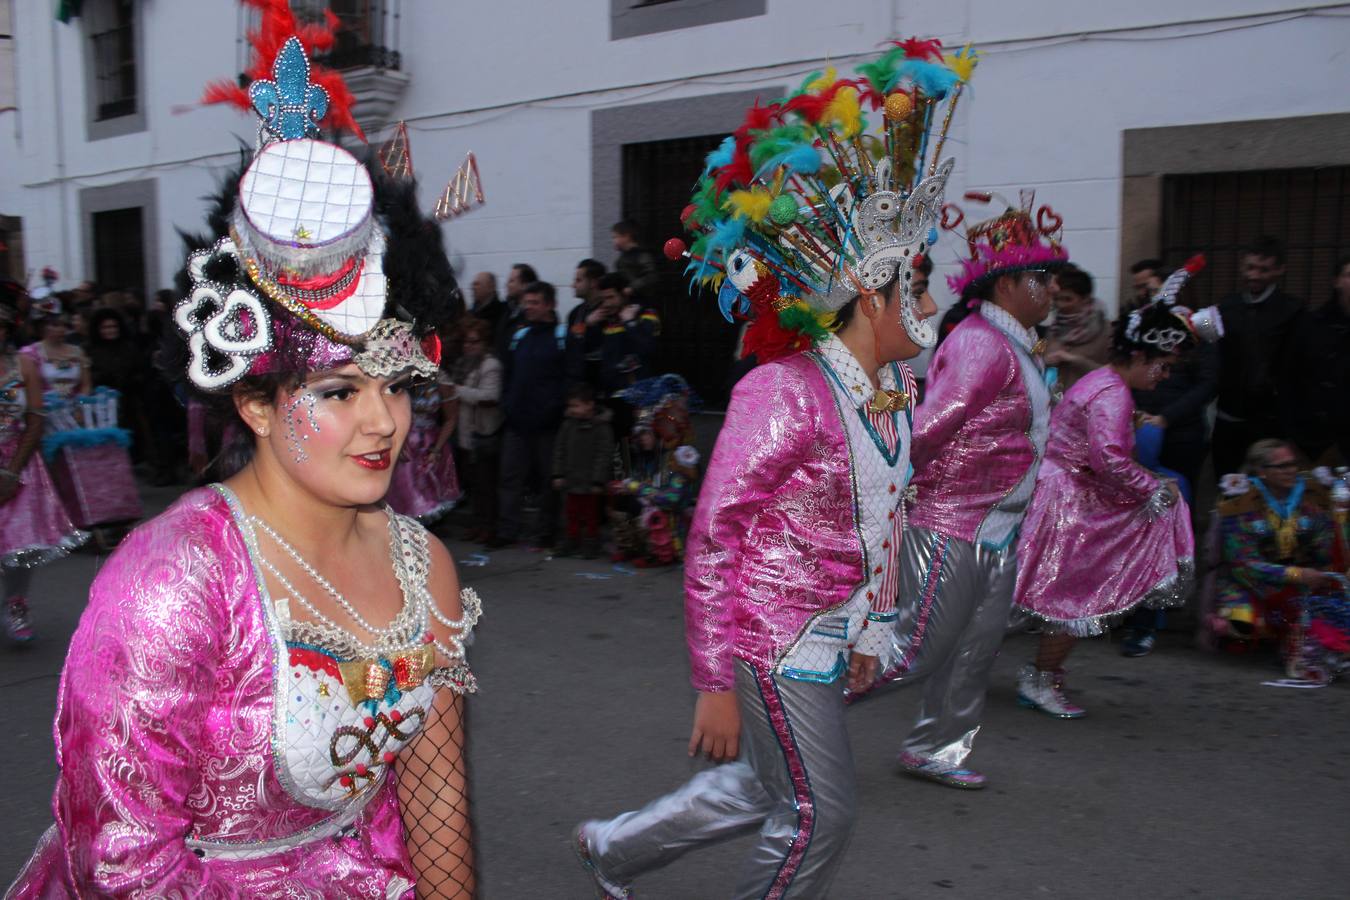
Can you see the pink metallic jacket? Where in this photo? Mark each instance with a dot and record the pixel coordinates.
(971, 442)
(774, 541)
(164, 732)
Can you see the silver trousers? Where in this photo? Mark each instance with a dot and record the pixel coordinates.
(794, 782)
(953, 609)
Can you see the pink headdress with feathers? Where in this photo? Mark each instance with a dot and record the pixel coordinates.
(1012, 242)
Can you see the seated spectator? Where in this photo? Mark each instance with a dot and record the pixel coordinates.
(1317, 375)
(477, 386)
(1080, 336)
(1280, 559)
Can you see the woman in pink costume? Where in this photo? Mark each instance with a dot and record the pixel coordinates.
(34, 527)
(94, 478)
(1104, 534)
(264, 697)
(425, 485)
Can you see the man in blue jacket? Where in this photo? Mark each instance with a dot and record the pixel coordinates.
(532, 400)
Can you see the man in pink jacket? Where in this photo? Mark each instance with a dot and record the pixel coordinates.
(791, 567)
(978, 439)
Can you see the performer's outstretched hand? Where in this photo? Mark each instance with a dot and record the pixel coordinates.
(862, 671)
(717, 726)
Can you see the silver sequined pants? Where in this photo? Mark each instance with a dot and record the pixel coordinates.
(794, 783)
(953, 613)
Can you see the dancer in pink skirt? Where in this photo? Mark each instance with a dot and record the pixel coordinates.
(34, 527)
(425, 485)
(1104, 534)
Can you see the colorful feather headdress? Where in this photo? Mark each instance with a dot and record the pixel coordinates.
(804, 207)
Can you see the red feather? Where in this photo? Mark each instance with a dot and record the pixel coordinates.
(766, 340)
(1195, 263)
(227, 92)
(278, 24)
(918, 49)
(812, 106)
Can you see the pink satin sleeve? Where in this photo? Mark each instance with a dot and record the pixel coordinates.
(964, 378)
(769, 427)
(1110, 445)
(138, 678)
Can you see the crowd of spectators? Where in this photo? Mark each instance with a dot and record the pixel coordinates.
(524, 376)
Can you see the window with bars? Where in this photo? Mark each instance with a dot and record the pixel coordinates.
(1219, 213)
(696, 341)
(367, 35)
(113, 36)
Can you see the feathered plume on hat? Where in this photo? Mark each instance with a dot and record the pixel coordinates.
(1013, 241)
(803, 207)
(314, 258)
(1161, 326)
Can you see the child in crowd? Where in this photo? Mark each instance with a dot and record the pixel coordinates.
(582, 462)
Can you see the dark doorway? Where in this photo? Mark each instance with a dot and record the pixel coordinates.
(1220, 212)
(119, 250)
(696, 342)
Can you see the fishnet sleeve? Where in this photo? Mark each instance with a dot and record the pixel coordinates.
(433, 788)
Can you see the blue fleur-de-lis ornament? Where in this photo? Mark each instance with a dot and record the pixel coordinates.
(289, 105)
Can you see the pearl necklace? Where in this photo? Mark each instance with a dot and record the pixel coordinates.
(418, 604)
(322, 582)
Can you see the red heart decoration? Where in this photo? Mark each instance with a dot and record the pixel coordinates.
(948, 223)
(1048, 221)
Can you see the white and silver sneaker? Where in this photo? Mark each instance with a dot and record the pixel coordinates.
(1045, 691)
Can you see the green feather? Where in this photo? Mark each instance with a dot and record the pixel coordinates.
(799, 317)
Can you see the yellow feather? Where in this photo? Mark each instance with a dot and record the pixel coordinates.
(752, 204)
(845, 111)
(962, 62)
(823, 81)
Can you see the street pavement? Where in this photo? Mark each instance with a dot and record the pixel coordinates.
(1188, 778)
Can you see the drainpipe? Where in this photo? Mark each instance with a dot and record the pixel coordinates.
(66, 261)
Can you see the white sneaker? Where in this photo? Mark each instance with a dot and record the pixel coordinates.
(1045, 691)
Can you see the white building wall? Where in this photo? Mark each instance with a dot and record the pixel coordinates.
(515, 82)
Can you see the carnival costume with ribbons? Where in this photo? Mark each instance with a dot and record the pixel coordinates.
(790, 561)
(218, 734)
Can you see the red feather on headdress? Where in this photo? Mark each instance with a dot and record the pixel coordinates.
(919, 49)
(811, 106)
(277, 25)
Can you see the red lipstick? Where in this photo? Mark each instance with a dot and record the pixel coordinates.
(379, 460)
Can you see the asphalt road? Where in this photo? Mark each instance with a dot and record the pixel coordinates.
(1187, 779)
